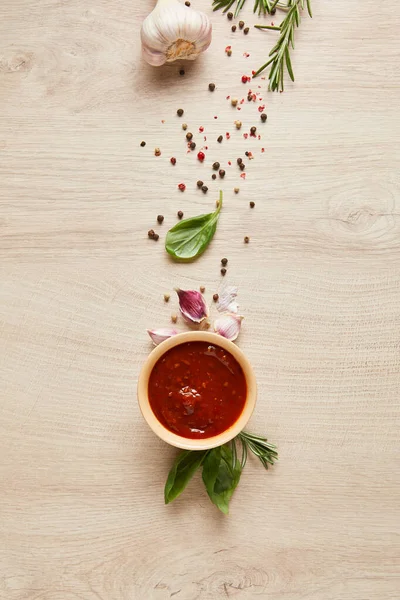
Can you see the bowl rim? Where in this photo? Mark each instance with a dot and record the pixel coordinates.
(172, 438)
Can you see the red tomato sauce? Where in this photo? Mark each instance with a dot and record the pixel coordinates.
(197, 390)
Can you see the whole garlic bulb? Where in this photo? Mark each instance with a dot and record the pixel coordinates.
(174, 31)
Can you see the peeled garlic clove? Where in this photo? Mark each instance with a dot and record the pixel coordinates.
(174, 31)
(228, 325)
(227, 299)
(160, 335)
(192, 305)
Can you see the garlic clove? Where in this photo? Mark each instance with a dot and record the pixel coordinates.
(192, 305)
(160, 335)
(227, 299)
(173, 31)
(228, 325)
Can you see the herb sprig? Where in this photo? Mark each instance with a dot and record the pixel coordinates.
(221, 468)
(280, 53)
(262, 6)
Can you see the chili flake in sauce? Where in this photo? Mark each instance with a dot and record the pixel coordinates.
(197, 390)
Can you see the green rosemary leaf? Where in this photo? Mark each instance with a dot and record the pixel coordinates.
(289, 63)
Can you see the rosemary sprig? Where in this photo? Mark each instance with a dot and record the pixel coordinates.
(280, 53)
(259, 446)
(261, 6)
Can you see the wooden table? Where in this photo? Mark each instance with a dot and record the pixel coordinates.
(82, 476)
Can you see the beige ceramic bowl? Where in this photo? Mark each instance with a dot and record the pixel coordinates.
(173, 438)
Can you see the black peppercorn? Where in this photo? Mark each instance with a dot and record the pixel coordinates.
(211, 87)
(249, 98)
(204, 189)
(220, 138)
(252, 204)
(273, 11)
(253, 130)
(224, 262)
(263, 117)
(213, 176)
(192, 145)
(180, 214)
(233, 27)
(221, 173)
(241, 24)
(223, 271)
(189, 136)
(182, 72)
(143, 144)
(246, 239)
(200, 183)
(242, 166)
(216, 166)
(239, 161)
(187, 3)
(230, 16)
(160, 219)
(151, 233)
(215, 297)
(246, 30)
(179, 112)
(156, 237)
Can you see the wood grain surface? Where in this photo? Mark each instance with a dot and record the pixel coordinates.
(81, 475)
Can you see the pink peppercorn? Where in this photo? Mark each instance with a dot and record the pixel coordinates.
(201, 156)
(182, 187)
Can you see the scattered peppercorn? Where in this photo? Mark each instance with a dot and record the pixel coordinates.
(215, 297)
(246, 239)
(229, 53)
(233, 27)
(182, 72)
(160, 218)
(224, 262)
(189, 136)
(236, 190)
(202, 289)
(187, 3)
(234, 101)
(230, 16)
(204, 189)
(201, 156)
(253, 130)
(242, 166)
(223, 271)
(143, 144)
(241, 24)
(249, 97)
(174, 318)
(184, 126)
(213, 176)
(216, 166)
(220, 138)
(239, 161)
(273, 11)
(166, 297)
(151, 233)
(252, 204)
(172, 160)
(192, 145)
(182, 187)
(238, 124)
(179, 112)
(180, 214)
(156, 237)
(246, 153)
(200, 183)
(221, 173)
(246, 30)
(245, 79)
(263, 117)
(157, 152)
(211, 87)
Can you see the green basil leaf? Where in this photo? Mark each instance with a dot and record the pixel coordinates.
(190, 237)
(220, 476)
(183, 469)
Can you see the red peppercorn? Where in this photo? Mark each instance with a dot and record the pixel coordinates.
(173, 160)
(201, 156)
(245, 79)
(182, 187)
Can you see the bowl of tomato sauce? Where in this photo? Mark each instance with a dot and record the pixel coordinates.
(197, 390)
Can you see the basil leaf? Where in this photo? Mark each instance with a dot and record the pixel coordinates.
(221, 476)
(190, 237)
(183, 469)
